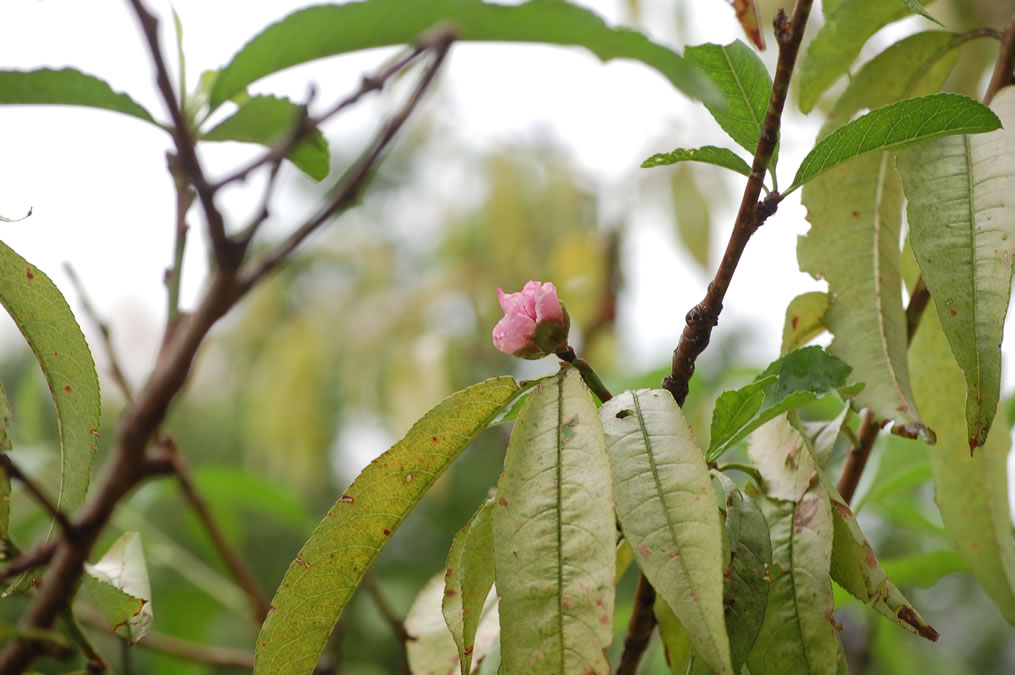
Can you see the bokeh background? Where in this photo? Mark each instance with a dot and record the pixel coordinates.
(522, 164)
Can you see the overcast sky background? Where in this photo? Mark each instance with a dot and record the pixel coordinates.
(103, 201)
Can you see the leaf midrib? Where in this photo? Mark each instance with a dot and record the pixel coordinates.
(744, 96)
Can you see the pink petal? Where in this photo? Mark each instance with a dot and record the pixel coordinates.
(516, 303)
(513, 333)
(548, 305)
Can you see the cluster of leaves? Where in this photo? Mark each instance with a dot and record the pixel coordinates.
(743, 573)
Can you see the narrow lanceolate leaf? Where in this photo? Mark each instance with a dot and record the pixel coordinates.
(554, 532)
(431, 651)
(42, 315)
(792, 381)
(855, 212)
(318, 584)
(847, 27)
(971, 492)
(803, 320)
(676, 641)
(5, 480)
(896, 126)
(746, 581)
(745, 85)
(327, 30)
(856, 569)
(467, 580)
(119, 584)
(66, 87)
(798, 634)
(269, 119)
(667, 510)
(961, 212)
(709, 154)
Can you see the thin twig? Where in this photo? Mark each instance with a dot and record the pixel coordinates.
(174, 275)
(1002, 75)
(37, 557)
(373, 589)
(349, 188)
(705, 315)
(589, 375)
(221, 657)
(12, 470)
(96, 664)
(237, 565)
(107, 341)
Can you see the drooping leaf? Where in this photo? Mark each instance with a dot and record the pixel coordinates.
(779, 453)
(331, 564)
(709, 154)
(746, 585)
(971, 492)
(896, 126)
(431, 651)
(467, 581)
(855, 212)
(848, 25)
(119, 584)
(747, 15)
(798, 634)
(803, 320)
(800, 377)
(667, 511)
(554, 530)
(961, 213)
(66, 87)
(855, 567)
(745, 85)
(327, 30)
(5, 480)
(691, 207)
(42, 315)
(267, 120)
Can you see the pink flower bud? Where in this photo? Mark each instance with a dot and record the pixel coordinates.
(535, 323)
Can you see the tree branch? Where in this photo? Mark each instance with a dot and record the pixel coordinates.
(12, 470)
(705, 315)
(1002, 75)
(373, 589)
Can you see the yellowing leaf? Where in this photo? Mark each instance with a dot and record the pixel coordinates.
(803, 320)
(554, 532)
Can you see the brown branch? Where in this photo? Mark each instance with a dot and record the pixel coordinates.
(237, 566)
(705, 315)
(37, 557)
(107, 341)
(373, 589)
(221, 657)
(12, 470)
(1002, 75)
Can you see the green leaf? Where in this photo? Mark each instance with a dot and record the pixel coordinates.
(798, 634)
(902, 467)
(42, 315)
(847, 28)
(856, 569)
(468, 578)
(119, 584)
(779, 453)
(667, 511)
(554, 532)
(266, 120)
(431, 651)
(855, 248)
(803, 320)
(788, 383)
(691, 209)
(746, 88)
(318, 584)
(971, 492)
(961, 213)
(923, 569)
(5, 480)
(709, 154)
(746, 585)
(896, 126)
(917, 8)
(66, 87)
(674, 636)
(327, 30)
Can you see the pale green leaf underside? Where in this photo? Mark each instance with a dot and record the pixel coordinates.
(846, 29)
(777, 450)
(119, 584)
(468, 577)
(803, 320)
(798, 635)
(66, 87)
(961, 212)
(268, 119)
(431, 651)
(42, 315)
(328, 30)
(326, 572)
(746, 88)
(709, 154)
(971, 492)
(896, 126)
(667, 511)
(554, 535)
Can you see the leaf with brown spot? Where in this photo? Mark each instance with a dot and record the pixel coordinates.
(747, 15)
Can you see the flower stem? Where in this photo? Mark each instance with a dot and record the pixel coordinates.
(588, 374)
